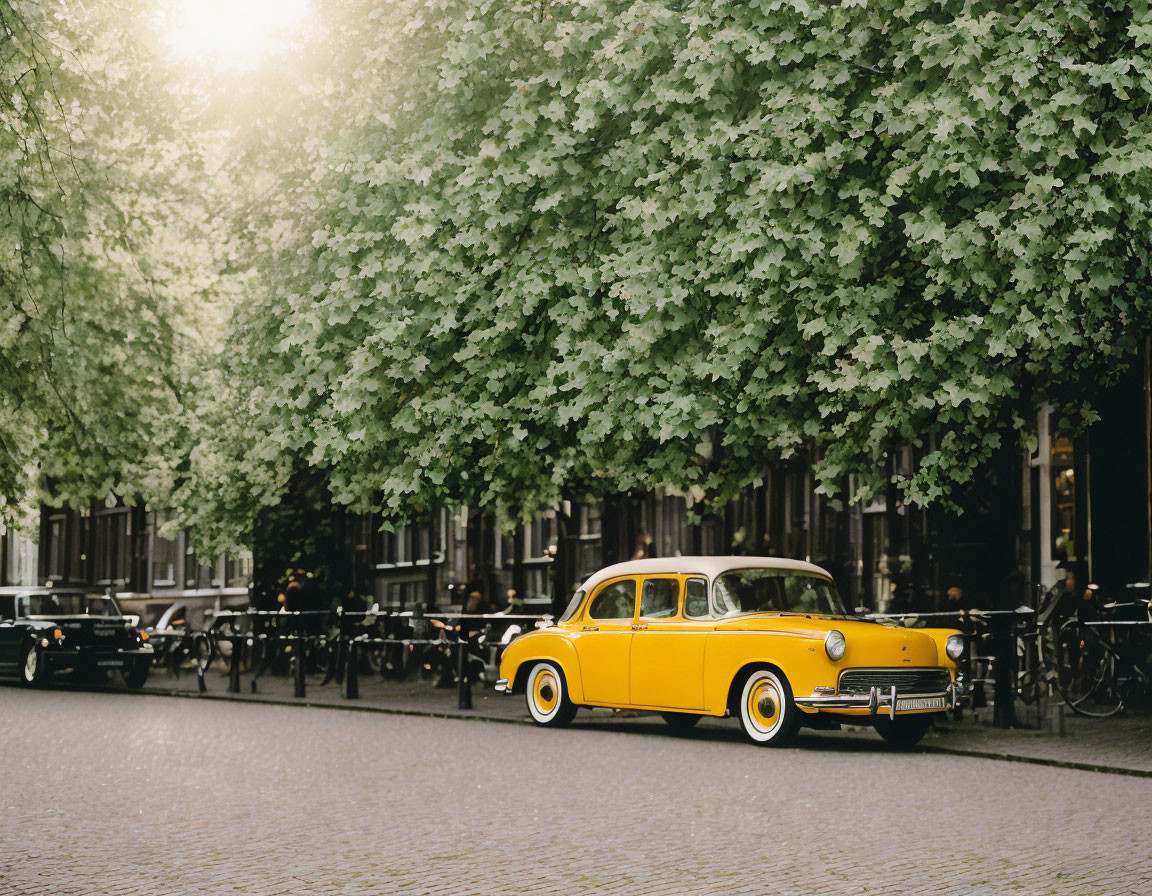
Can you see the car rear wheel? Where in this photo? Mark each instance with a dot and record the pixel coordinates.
(680, 722)
(767, 713)
(547, 696)
(34, 669)
(136, 673)
(904, 732)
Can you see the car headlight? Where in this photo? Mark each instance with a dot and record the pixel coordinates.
(835, 645)
(954, 647)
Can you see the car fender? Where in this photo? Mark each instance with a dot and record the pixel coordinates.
(941, 636)
(799, 657)
(553, 645)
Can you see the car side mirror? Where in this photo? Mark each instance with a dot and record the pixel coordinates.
(861, 611)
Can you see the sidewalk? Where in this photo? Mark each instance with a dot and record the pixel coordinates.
(1120, 745)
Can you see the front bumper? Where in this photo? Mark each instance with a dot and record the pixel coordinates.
(503, 687)
(891, 700)
(65, 657)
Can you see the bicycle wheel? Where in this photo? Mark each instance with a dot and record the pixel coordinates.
(200, 651)
(1086, 672)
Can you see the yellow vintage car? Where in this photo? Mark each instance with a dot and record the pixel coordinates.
(764, 639)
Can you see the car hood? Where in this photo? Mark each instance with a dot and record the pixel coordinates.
(808, 624)
(868, 642)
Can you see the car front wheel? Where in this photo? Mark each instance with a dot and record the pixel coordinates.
(904, 732)
(547, 696)
(767, 713)
(34, 670)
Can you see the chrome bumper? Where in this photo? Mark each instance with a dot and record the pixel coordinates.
(876, 699)
(502, 686)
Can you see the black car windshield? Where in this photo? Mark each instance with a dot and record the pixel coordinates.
(71, 605)
(761, 590)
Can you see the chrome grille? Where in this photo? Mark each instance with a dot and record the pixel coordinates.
(906, 681)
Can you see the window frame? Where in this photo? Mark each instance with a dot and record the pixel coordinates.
(708, 614)
(678, 608)
(635, 580)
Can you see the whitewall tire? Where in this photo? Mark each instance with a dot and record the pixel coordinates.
(767, 713)
(547, 696)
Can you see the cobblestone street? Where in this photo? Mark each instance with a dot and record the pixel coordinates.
(110, 794)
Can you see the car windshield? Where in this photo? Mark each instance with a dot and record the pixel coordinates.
(71, 605)
(573, 606)
(761, 590)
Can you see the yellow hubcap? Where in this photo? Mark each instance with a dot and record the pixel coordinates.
(545, 692)
(764, 704)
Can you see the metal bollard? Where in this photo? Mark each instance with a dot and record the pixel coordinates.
(298, 670)
(350, 687)
(463, 680)
(1056, 720)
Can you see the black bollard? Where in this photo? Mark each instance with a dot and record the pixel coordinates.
(350, 687)
(234, 666)
(463, 680)
(298, 670)
(1003, 672)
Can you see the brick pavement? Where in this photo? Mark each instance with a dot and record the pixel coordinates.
(104, 794)
(1120, 744)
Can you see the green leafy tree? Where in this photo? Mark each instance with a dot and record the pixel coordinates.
(103, 269)
(519, 249)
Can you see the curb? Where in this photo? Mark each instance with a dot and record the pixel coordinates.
(1037, 760)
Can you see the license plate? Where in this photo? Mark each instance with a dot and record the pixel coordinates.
(109, 662)
(903, 703)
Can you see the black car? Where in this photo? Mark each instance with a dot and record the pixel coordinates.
(43, 631)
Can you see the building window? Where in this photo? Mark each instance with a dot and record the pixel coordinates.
(113, 530)
(1064, 545)
(77, 570)
(165, 553)
(20, 560)
(198, 573)
(540, 536)
(238, 570)
(56, 529)
(671, 526)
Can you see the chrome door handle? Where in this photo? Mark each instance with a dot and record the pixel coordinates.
(590, 628)
(639, 628)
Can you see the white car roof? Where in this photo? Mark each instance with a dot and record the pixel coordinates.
(701, 566)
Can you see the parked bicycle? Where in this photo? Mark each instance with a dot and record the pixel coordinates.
(179, 648)
(1102, 666)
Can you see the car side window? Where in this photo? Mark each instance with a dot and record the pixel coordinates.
(615, 601)
(658, 598)
(7, 608)
(696, 598)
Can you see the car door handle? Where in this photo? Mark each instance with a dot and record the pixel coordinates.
(590, 628)
(639, 628)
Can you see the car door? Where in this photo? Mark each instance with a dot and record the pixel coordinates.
(667, 655)
(604, 640)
